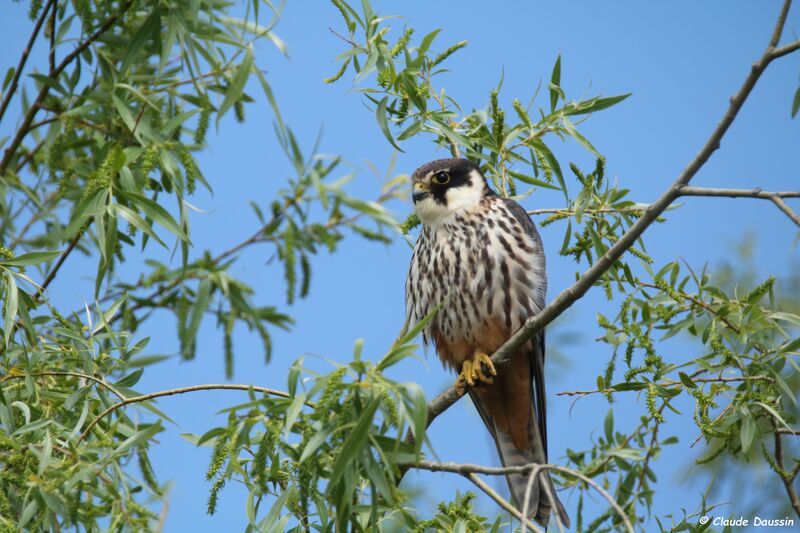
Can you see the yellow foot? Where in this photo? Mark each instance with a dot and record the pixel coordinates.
(472, 371)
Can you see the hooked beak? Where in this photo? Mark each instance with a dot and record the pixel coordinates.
(420, 192)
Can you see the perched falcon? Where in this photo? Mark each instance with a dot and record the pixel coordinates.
(480, 258)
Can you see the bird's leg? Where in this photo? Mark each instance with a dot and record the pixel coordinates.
(472, 371)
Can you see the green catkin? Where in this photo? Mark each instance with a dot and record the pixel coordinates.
(202, 123)
(522, 114)
(105, 172)
(182, 316)
(218, 459)
(771, 462)
(149, 159)
(238, 111)
(651, 403)
(710, 457)
(339, 73)
(411, 222)
(305, 270)
(259, 468)
(190, 167)
(448, 52)
(385, 78)
(390, 407)
(402, 42)
(331, 390)
(213, 496)
(641, 255)
(289, 264)
(33, 12)
(146, 470)
(230, 321)
(351, 26)
(762, 289)
(498, 120)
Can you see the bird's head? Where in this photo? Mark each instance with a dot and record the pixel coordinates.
(445, 186)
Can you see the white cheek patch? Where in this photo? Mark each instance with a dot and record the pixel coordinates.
(462, 197)
(432, 213)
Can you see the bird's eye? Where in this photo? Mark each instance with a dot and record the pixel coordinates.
(441, 178)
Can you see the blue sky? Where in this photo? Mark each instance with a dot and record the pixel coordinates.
(681, 60)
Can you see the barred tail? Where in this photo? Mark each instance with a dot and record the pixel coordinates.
(539, 505)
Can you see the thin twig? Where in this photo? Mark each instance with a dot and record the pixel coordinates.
(777, 200)
(52, 274)
(184, 390)
(466, 469)
(89, 377)
(787, 483)
(775, 196)
(569, 212)
(776, 33)
(12, 88)
(52, 54)
(736, 193)
(670, 383)
(502, 502)
(528, 489)
(34, 217)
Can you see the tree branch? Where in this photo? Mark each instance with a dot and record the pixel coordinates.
(787, 482)
(61, 258)
(467, 469)
(777, 200)
(52, 54)
(12, 88)
(564, 300)
(502, 502)
(670, 383)
(54, 373)
(183, 390)
(34, 108)
(775, 197)
(758, 192)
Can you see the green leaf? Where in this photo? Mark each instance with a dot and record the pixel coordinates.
(427, 41)
(236, 87)
(595, 104)
(109, 313)
(530, 180)
(608, 426)
(293, 412)
(555, 81)
(9, 76)
(748, 431)
(124, 113)
(133, 218)
(200, 305)
(687, 381)
(155, 212)
(380, 115)
(796, 103)
(131, 379)
(353, 444)
(11, 306)
(31, 258)
(315, 442)
(575, 134)
(629, 386)
(148, 33)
